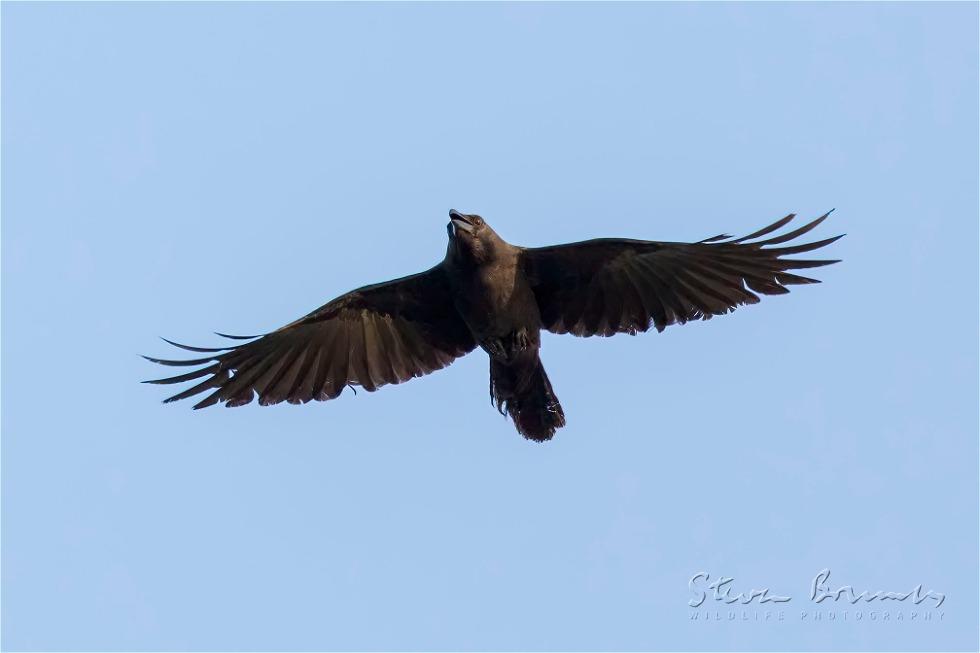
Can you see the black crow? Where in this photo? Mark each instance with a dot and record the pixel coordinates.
(499, 296)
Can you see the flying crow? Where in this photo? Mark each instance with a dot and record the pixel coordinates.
(489, 293)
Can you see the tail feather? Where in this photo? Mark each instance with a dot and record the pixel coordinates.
(522, 391)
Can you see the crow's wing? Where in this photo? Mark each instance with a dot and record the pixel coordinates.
(609, 285)
(385, 333)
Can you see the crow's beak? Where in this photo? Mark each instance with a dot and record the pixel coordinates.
(460, 220)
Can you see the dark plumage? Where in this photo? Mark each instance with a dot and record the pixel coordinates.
(490, 293)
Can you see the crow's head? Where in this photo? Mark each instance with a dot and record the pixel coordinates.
(472, 237)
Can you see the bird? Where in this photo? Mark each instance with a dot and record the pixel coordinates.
(490, 294)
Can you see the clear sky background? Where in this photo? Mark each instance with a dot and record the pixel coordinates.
(177, 169)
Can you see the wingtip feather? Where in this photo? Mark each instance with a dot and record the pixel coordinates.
(232, 337)
(203, 350)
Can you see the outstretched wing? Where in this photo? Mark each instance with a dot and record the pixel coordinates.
(610, 285)
(385, 333)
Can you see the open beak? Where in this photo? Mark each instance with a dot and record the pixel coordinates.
(461, 221)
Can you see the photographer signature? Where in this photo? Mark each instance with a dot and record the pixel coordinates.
(721, 590)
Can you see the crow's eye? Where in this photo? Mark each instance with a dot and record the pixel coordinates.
(477, 220)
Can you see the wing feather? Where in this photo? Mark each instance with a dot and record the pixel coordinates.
(607, 286)
(375, 335)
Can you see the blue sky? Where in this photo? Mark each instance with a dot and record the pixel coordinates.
(178, 169)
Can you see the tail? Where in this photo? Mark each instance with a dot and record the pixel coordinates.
(522, 390)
